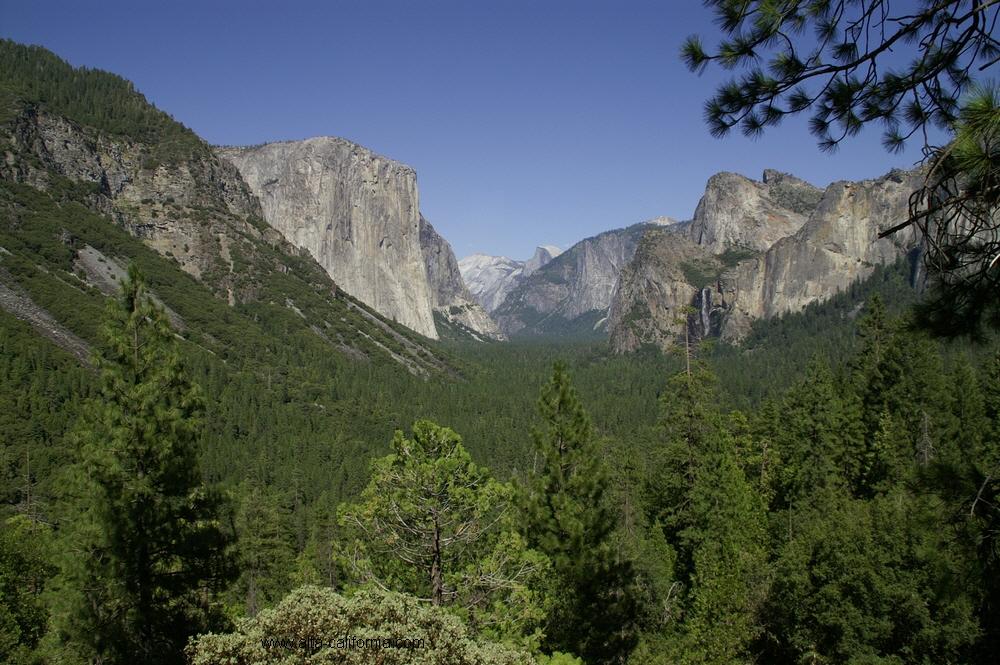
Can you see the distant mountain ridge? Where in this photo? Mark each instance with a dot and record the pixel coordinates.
(571, 293)
(328, 221)
(491, 278)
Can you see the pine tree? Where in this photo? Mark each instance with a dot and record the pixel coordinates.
(727, 539)
(821, 443)
(688, 419)
(714, 518)
(264, 550)
(434, 524)
(567, 517)
(972, 475)
(146, 547)
(878, 364)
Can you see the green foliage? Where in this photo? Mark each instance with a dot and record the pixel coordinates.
(567, 517)
(832, 57)
(726, 536)
(955, 210)
(93, 98)
(24, 571)
(819, 438)
(847, 514)
(308, 624)
(734, 255)
(144, 539)
(867, 582)
(700, 273)
(264, 550)
(713, 525)
(432, 523)
(846, 78)
(777, 350)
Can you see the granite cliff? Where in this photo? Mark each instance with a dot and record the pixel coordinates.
(756, 250)
(355, 212)
(736, 211)
(113, 169)
(358, 214)
(196, 209)
(491, 278)
(572, 292)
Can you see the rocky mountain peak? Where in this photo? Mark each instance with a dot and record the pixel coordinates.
(737, 212)
(358, 214)
(490, 278)
(543, 254)
(790, 244)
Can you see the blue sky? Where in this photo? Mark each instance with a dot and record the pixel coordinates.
(528, 122)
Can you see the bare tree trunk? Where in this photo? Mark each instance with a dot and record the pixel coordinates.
(252, 596)
(437, 582)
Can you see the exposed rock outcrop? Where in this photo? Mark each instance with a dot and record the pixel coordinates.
(757, 250)
(838, 245)
(196, 210)
(18, 303)
(491, 278)
(578, 282)
(543, 254)
(450, 297)
(738, 212)
(647, 306)
(357, 213)
(186, 203)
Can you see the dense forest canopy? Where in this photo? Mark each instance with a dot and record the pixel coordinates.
(216, 483)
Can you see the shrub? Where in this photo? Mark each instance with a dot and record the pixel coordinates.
(315, 625)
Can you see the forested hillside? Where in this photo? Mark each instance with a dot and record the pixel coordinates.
(240, 466)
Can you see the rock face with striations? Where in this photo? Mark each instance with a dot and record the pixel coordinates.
(757, 250)
(491, 278)
(543, 254)
(196, 210)
(737, 212)
(355, 212)
(450, 297)
(836, 246)
(572, 292)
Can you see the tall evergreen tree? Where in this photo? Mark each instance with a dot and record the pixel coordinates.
(714, 518)
(821, 443)
(728, 543)
(146, 547)
(264, 550)
(968, 476)
(434, 524)
(687, 420)
(567, 516)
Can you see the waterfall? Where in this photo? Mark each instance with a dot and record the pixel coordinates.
(706, 308)
(916, 264)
